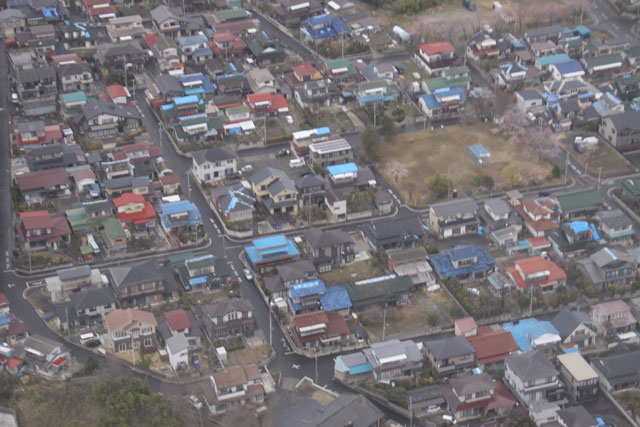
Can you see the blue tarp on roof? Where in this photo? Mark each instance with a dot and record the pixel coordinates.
(527, 330)
(186, 100)
(443, 264)
(270, 247)
(320, 20)
(194, 91)
(568, 67)
(343, 168)
(553, 59)
(301, 290)
(198, 280)
(579, 226)
(323, 131)
(335, 298)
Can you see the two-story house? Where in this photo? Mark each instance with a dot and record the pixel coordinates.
(68, 281)
(125, 28)
(36, 187)
(463, 262)
(174, 322)
(275, 190)
(492, 346)
(178, 217)
(270, 251)
(12, 22)
(194, 49)
(378, 91)
(622, 130)
(143, 284)
(483, 47)
(613, 317)
(532, 377)
(120, 55)
(574, 239)
(235, 386)
(214, 164)
(608, 267)
(101, 119)
(536, 273)
(444, 102)
(341, 70)
(540, 215)
(229, 318)
(581, 379)
(455, 218)
(618, 370)
(37, 90)
(478, 395)
(38, 230)
(320, 330)
(328, 153)
(290, 11)
(394, 233)
(435, 56)
(235, 202)
(450, 356)
(394, 359)
(615, 225)
(168, 20)
(316, 94)
(579, 203)
(130, 329)
(76, 76)
(224, 44)
(202, 273)
(135, 212)
(266, 104)
(412, 262)
(336, 245)
(575, 327)
(311, 189)
(501, 222)
(87, 308)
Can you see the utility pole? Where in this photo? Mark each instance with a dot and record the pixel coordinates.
(133, 351)
(342, 37)
(566, 168)
(270, 325)
(384, 321)
(265, 130)
(374, 113)
(189, 185)
(599, 175)
(581, 11)
(410, 412)
(316, 381)
(309, 207)
(448, 184)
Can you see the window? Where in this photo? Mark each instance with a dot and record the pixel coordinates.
(146, 331)
(136, 333)
(148, 342)
(136, 345)
(120, 334)
(122, 347)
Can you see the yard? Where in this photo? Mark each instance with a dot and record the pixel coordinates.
(603, 156)
(350, 273)
(247, 355)
(423, 313)
(413, 159)
(40, 259)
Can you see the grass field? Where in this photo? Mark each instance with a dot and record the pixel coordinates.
(445, 152)
(604, 156)
(350, 273)
(248, 355)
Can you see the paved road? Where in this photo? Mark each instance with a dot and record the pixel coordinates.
(606, 19)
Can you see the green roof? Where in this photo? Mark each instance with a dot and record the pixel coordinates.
(113, 228)
(79, 220)
(179, 259)
(239, 109)
(453, 71)
(86, 249)
(342, 63)
(631, 186)
(383, 291)
(580, 199)
(598, 61)
(228, 14)
(74, 97)
(440, 82)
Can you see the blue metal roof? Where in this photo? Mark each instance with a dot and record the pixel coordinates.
(187, 78)
(479, 151)
(194, 91)
(583, 31)
(177, 207)
(343, 168)
(186, 100)
(553, 59)
(301, 290)
(568, 67)
(579, 226)
(270, 247)
(198, 280)
(335, 298)
(443, 264)
(270, 241)
(323, 131)
(527, 330)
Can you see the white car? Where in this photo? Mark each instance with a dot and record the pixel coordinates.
(289, 120)
(195, 402)
(343, 108)
(247, 274)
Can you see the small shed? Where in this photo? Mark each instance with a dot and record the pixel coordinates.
(221, 352)
(480, 154)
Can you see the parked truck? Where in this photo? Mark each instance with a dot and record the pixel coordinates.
(469, 5)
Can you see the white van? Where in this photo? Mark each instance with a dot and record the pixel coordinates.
(296, 163)
(89, 337)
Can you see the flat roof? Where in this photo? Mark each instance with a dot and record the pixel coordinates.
(577, 366)
(342, 169)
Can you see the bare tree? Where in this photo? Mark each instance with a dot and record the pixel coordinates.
(398, 169)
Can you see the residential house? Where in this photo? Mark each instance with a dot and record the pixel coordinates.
(126, 184)
(305, 297)
(194, 49)
(202, 273)
(87, 307)
(573, 239)
(501, 222)
(296, 272)
(118, 94)
(165, 51)
(567, 70)
(394, 233)
(579, 203)
(101, 119)
(37, 90)
(225, 44)
(575, 328)
(143, 284)
(627, 87)
(492, 345)
(335, 245)
(540, 215)
(214, 164)
(613, 317)
(394, 359)
(54, 156)
(177, 348)
(379, 91)
(336, 299)
(275, 191)
(291, 11)
(235, 386)
(378, 291)
(176, 322)
(168, 20)
(531, 377)
(608, 267)
(12, 330)
(482, 47)
(577, 416)
(451, 355)
(124, 28)
(435, 56)
(316, 94)
(603, 67)
(543, 48)
(353, 367)
(77, 35)
(170, 184)
(12, 22)
(36, 187)
(474, 396)
(318, 329)
(75, 76)
(42, 355)
(235, 202)
(630, 188)
(136, 213)
(528, 99)
(346, 409)
(323, 27)
(536, 273)
(618, 370)
(302, 73)
(622, 130)
(73, 279)
(311, 190)
(38, 230)
(265, 50)
(261, 81)
(266, 105)
(536, 334)
(579, 377)
(411, 262)
(181, 216)
(512, 75)
(329, 153)
(130, 329)
(615, 225)
(444, 102)
(543, 63)
(463, 262)
(454, 218)
(465, 326)
(341, 70)
(267, 252)
(553, 33)
(37, 134)
(117, 55)
(426, 400)
(114, 236)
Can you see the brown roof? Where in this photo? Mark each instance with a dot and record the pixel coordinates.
(81, 174)
(337, 327)
(35, 220)
(170, 179)
(178, 320)
(119, 319)
(236, 375)
(492, 345)
(309, 319)
(43, 179)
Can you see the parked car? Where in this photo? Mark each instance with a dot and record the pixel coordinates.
(289, 120)
(195, 402)
(247, 274)
(283, 153)
(90, 339)
(196, 362)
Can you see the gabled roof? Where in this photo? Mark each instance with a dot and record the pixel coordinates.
(226, 306)
(92, 297)
(127, 198)
(119, 318)
(579, 199)
(436, 48)
(577, 416)
(177, 343)
(178, 320)
(566, 321)
(531, 365)
(455, 207)
(629, 120)
(346, 410)
(471, 384)
(296, 270)
(446, 348)
(492, 345)
(318, 238)
(130, 275)
(94, 109)
(620, 366)
(214, 154)
(43, 179)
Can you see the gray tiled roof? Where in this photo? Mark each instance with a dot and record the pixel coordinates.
(454, 207)
(531, 365)
(566, 321)
(317, 238)
(214, 154)
(226, 306)
(615, 219)
(628, 120)
(619, 366)
(177, 343)
(94, 109)
(445, 348)
(92, 297)
(143, 272)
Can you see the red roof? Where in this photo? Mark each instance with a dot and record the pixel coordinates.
(170, 179)
(14, 362)
(59, 361)
(127, 198)
(310, 319)
(151, 38)
(4, 302)
(223, 36)
(337, 327)
(466, 324)
(304, 69)
(492, 345)
(155, 151)
(43, 179)
(436, 48)
(141, 217)
(116, 91)
(178, 320)
(36, 220)
(95, 11)
(539, 242)
(51, 133)
(138, 146)
(534, 265)
(65, 58)
(277, 101)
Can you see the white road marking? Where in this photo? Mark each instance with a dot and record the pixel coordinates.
(616, 27)
(296, 367)
(10, 285)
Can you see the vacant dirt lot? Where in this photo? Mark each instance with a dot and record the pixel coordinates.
(350, 273)
(603, 156)
(445, 152)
